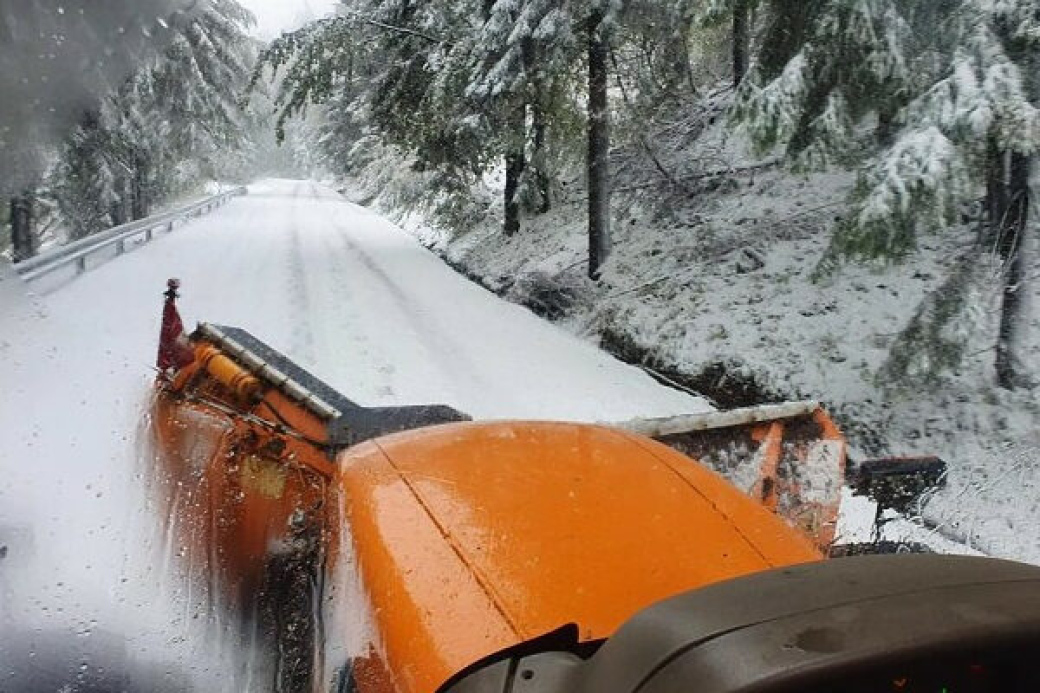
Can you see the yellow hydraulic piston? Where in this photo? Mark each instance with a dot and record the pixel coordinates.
(227, 372)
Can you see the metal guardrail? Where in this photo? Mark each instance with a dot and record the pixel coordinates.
(77, 252)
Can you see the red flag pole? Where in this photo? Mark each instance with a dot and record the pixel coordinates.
(175, 351)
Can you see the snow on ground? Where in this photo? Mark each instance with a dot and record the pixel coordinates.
(722, 273)
(334, 286)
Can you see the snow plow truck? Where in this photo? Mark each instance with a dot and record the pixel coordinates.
(659, 556)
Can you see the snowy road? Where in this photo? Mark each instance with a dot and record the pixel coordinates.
(351, 297)
(336, 287)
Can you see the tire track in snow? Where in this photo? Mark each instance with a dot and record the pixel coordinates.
(302, 342)
(399, 325)
(366, 349)
(346, 355)
(449, 356)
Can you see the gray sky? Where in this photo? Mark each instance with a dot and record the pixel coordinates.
(276, 16)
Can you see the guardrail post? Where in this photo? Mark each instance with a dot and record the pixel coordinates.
(81, 264)
(120, 247)
(148, 234)
(169, 227)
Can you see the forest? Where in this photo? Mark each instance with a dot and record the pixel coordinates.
(930, 106)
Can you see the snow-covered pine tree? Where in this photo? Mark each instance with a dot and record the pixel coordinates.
(948, 88)
(54, 64)
(83, 180)
(981, 110)
(179, 106)
(519, 82)
(394, 62)
(1016, 24)
(739, 14)
(455, 86)
(823, 68)
(195, 86)
(55, 60)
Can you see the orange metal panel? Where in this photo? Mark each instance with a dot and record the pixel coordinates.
(472, 537)
(765, 488)
(772, 537)
(433, 615)
(229, 501)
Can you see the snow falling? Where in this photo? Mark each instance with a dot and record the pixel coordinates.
(830, 201)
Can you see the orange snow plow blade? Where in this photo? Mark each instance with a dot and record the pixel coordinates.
(246, 442)
(789, 457)
(251, 443)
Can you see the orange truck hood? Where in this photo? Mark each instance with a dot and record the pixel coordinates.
(474, 537)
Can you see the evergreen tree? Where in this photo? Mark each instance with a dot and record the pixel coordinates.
(55, 61)
(948, 87)
(521, 76)
(83, 183)
(180, 106)
(739, 14)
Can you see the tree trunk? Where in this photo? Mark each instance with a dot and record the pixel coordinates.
(1011, 249)
(23, 243)
(117, 211)
(598, 159)
(534, 93)
(139, 203)
(514, 169)
(886, 126)
(515, 164)
(996, 195)
(741, 40)
(539, 158)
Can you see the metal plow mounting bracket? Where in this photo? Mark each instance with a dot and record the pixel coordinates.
(347, 422)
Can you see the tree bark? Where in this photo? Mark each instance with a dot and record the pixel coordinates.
(139, 202)
(23, 242)
(539, 158)
(534, 91)
(117, 211)
(741, 40)
(1011, 249)
(996, 195)
(514, 170)
(598, 158)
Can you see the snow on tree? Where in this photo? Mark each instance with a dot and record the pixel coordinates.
(55, 64)
(164, 128)
(383, 60)
(944, 85)
(56, 61)
(519, 80)
(740, 15)
(453, 85)
(852, 59)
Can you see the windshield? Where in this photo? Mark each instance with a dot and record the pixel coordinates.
(779, 252)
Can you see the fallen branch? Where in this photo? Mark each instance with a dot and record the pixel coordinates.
(708, 174)
(642, 136)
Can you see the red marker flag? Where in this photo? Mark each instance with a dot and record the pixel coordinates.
(174, 350)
